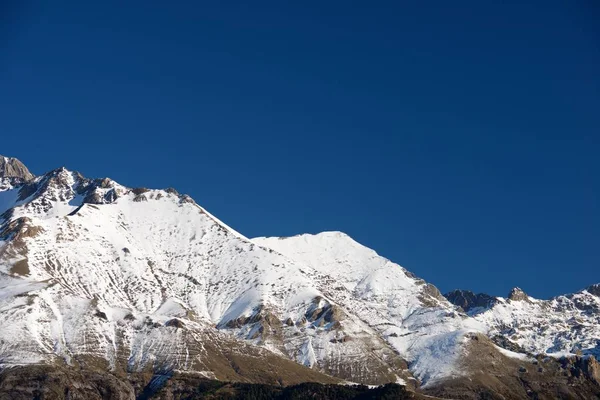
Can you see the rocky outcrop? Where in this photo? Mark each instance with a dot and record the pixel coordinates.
(322, 313)
(594, 289)
(13, 168)
(516, 294)
(469, 301)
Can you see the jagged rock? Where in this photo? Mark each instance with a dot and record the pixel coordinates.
(186, 199)
(140, 190)
(516, 294)
(469, 301)
(13, 168)
(594, 289)
(129, 317)
(176, 323)
(507, 344)
(101, 315)
(104, 183)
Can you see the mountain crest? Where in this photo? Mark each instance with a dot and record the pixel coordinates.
(517, 294)
(594, 289)
(12, 168)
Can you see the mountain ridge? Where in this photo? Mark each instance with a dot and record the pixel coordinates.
(93, 273)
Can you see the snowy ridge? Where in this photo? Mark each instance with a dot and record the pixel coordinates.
(408, 313)
(562, 326)
(132, 278)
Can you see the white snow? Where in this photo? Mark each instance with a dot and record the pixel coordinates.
(104, 279)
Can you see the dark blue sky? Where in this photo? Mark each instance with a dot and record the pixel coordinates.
(459, 139)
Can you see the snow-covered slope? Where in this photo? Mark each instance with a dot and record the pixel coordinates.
(410, 314)
(95, 273)
(91, 268)
(564, 325)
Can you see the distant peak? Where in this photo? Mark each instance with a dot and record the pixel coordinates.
(11, 167)
(517, 294)
(594, 289)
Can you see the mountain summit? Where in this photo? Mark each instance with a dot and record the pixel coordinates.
(13, 168)
(100, 276)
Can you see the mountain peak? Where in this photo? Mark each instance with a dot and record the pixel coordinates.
(13, 168)
(517, 294)
(594, 289)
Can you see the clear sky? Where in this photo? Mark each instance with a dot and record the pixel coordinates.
(459, 139)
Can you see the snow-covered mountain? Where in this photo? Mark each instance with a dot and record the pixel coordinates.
(97, 274)
(565, 325)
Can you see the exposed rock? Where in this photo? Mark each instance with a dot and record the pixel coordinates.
(101, 315)
(186, 199)
(587, 366)
(516, 294)
(139, 198)
(177, 323)
(430, 296)
(13, 168)
(19, 229)
(470, 301)
(505, 343)
(140, 190)
(594, 289)
(321, 312)
(263, 320)
(491, 375)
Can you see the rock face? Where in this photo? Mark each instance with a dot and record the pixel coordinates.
(470, 302)
(594, 289)
(13, 168)
(99, 276)
(516, 294)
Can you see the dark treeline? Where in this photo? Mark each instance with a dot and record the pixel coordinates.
(221, 390)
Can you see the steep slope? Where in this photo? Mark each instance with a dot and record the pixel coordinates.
(410, 314)
(92, 272)
(106, 277)
(13, 168)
